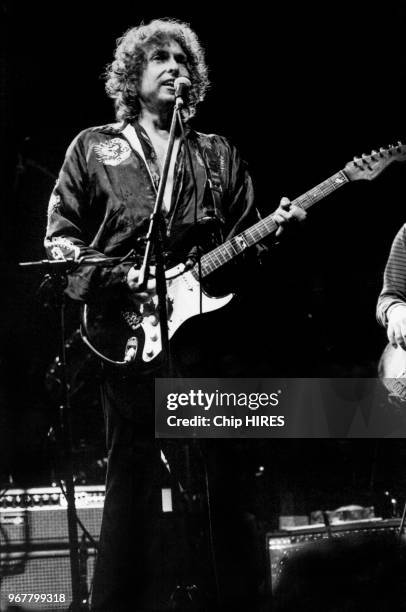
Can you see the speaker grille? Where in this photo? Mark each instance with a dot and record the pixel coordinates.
(40, 572)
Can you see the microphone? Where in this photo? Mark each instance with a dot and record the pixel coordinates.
(182, 86)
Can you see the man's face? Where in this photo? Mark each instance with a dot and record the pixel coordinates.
(164, 64)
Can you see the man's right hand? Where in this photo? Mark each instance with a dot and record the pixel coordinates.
(144, 295)
(397, 326)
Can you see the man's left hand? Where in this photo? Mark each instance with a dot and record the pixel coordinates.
(285, 213)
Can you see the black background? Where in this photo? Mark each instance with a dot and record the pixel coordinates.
(300, 90)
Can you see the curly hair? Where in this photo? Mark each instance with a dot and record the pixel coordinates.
(124, 73)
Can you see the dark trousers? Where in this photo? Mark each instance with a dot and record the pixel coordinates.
(144, 555)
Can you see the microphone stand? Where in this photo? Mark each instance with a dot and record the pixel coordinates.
(154, 241)
(78, 598)
(56, 277)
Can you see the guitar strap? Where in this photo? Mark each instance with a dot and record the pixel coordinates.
(214, 187)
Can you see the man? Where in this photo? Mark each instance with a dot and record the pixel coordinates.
(101, 206)
(391, 309)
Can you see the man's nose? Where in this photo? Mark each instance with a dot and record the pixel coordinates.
(173, 65)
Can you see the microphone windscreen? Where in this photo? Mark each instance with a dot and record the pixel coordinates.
(182, 84)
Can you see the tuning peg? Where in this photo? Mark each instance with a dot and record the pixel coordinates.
(366, 159)
(357, 163)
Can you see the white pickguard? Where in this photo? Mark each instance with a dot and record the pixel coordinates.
(187, 300)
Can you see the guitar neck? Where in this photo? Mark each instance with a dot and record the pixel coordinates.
(237, 244)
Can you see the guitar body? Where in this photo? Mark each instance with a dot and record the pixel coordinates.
(186, 299)
(135, 335)
(392, 371)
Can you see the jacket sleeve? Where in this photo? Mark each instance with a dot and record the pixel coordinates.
(68, 234)
(394, 283)
(242, 212)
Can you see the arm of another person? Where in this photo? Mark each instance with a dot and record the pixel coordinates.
(391, 308)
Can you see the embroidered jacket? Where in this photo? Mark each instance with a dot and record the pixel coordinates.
(105, 194)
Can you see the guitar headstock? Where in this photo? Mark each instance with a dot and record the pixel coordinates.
(367, 167)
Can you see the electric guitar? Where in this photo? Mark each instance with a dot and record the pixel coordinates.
(392, 371)
(135, 338)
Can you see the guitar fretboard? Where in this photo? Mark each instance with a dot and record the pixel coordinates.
(237, 244)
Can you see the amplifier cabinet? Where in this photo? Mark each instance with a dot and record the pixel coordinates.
(282, 545)
(34, 546)
(38, 517)
(32, 527)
